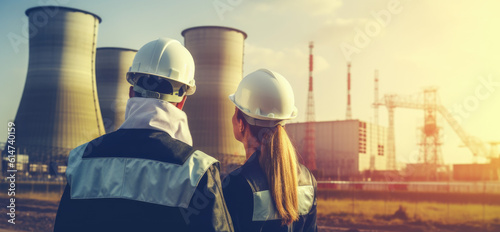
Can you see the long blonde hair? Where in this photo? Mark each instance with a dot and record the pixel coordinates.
(278, 160)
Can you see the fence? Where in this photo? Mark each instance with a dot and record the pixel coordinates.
(472, 205)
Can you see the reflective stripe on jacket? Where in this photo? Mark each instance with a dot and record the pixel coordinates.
(249, 200)
(141, 180)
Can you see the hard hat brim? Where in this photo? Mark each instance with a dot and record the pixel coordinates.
(245, 111)
(132, 79)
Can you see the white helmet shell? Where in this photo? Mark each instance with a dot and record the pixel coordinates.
(265, 95)
(165, 58)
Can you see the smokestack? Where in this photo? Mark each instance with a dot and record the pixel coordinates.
(59, 109)
(375, 101)
(348, 115)
(310, 160)
(218, 58)
(112, 65)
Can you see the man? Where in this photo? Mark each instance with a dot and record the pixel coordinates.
(146, 176)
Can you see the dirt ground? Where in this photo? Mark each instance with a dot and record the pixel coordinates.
(340, 223)
(31, 215)
(39, 216)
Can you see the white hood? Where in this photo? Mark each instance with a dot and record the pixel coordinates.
(149, 113)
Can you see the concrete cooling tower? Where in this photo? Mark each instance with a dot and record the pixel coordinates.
(112, 65)
(218, 58)
(59, 109)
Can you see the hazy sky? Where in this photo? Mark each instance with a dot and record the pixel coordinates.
(451, 44)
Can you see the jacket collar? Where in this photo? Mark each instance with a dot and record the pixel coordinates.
(149, 113)
(252, 160)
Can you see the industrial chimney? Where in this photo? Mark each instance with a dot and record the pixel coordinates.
(218, 58)
(112, 65)
(59, 109)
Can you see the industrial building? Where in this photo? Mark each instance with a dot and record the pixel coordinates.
(477, 172)
(59, 109)
(218, 55)
(112, 65)
(344, 149)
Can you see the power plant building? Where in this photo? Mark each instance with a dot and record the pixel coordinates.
(477, 172)
(344, 149)
(59, 109)
(112, 65)
(218, 58)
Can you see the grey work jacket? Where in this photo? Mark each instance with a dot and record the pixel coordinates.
(249, 201)
(141, 180)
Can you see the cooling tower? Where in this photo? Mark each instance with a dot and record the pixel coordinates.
(112, 65)
(218, 58)
(59, 109)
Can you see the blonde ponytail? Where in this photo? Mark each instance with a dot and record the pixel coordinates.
(279, 162)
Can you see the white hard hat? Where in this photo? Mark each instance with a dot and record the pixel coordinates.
(165, 58)
(266, 98)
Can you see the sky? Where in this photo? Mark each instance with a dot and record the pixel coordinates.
(450, 44)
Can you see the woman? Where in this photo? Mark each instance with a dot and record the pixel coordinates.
(271, 191)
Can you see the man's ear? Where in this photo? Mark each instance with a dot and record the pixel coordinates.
(131, 92)
(241, 125)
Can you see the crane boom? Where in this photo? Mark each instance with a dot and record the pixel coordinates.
(415, 101)
(475, 145)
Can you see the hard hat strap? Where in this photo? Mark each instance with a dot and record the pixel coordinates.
(161, 96)
(263, 123)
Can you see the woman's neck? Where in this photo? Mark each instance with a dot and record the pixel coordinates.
(251, 145)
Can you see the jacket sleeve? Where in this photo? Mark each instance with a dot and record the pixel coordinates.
(207, 210)
(310, 223)
(67, 218)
